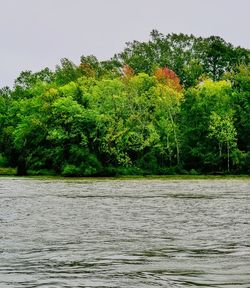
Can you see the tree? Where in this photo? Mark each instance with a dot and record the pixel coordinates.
(200, 103)
(151, 109)
(221, 128)
(241, 103)
(27, 79)
(66, 72)
(189, 56)
(168, 77)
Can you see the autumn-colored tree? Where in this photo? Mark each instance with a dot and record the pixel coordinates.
(168, 76)
(87, 70)
(89, 66)
(127, 71)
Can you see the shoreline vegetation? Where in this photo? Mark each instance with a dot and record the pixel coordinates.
(175, 105)
(130, 177)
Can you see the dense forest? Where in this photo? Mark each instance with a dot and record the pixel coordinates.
(177, 104)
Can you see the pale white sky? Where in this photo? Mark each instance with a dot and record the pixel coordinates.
(38, 33)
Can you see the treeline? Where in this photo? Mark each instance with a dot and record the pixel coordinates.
(176, 104)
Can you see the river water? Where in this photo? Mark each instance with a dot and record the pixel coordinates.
(124, 233)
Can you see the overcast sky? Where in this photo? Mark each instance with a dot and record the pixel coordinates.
(38, 33)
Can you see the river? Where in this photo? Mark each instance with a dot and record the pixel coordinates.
(124, 233)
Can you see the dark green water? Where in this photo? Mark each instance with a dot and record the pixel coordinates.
(136, 233)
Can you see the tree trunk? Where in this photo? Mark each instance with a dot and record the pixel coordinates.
(21, 166)
(228, 160)
(176, 140)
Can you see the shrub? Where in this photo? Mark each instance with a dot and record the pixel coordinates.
(71, 170)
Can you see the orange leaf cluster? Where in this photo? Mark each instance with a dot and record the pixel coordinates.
(168, 76)
(127, 71)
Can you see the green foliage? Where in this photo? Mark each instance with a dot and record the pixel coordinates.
(201, 122)
(241, 99)
(188, 56)
(3, 161)
(222, 129)
(41, 172)
(66, 72)
(168, 106)
(7, 171)
(71, 170)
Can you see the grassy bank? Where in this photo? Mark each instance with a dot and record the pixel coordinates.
(50, 174)
(8, 171)
(131, 177)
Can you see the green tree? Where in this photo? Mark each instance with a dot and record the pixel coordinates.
(188, 56)
(200, 103)
(241, 100)
(66, 72)
(223, 131)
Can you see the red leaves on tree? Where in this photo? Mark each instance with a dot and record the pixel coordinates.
(168, 76)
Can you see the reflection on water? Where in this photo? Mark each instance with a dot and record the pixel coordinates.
(142, 233)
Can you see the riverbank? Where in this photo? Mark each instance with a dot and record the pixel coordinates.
(133, 177)
(12, 172)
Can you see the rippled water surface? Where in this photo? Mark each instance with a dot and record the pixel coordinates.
(136, 233)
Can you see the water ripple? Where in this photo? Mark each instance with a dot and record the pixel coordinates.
(137, 233)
